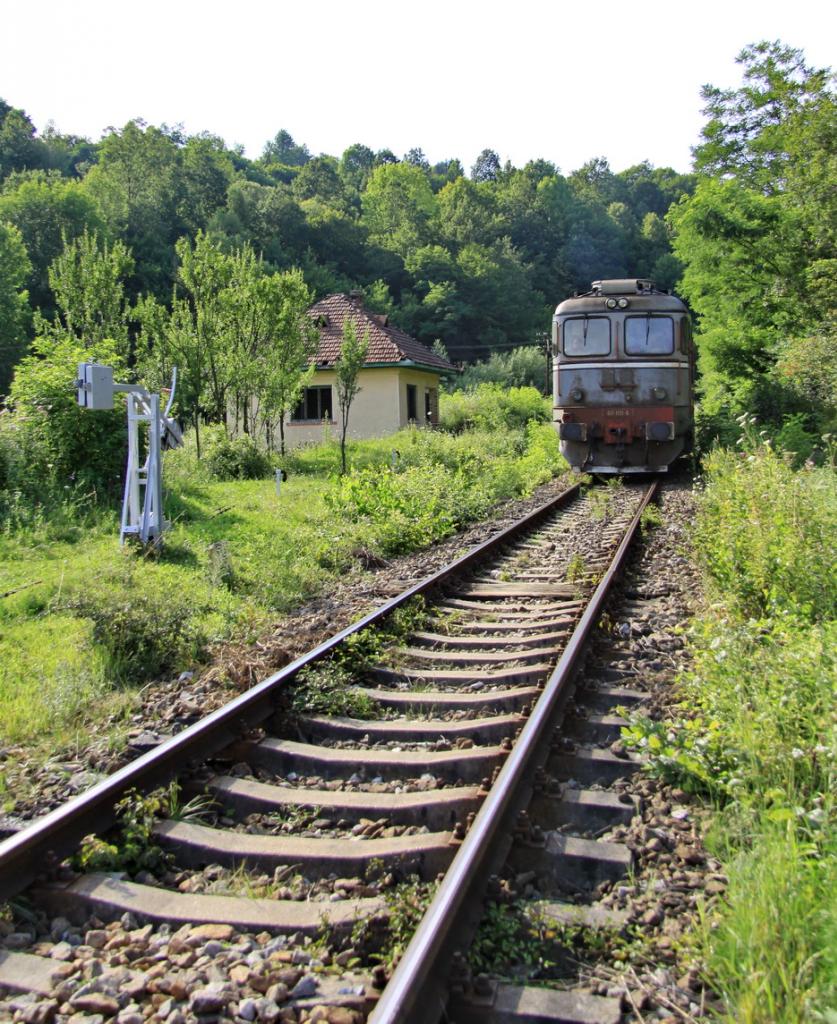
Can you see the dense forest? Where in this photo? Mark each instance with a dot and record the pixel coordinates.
(476, 260)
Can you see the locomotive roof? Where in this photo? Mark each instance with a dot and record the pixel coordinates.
(641, 295)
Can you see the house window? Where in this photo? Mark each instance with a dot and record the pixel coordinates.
(314, 406)
(412, 403)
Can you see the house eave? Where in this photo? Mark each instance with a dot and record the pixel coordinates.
(405, 363)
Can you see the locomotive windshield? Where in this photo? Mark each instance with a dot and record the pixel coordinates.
(587, 336)
(649, 335)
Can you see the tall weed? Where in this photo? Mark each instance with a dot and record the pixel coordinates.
(760, 733)
(767, 534)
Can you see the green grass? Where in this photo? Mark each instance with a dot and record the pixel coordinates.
(281, 551)
(758, 733)
(92, 622)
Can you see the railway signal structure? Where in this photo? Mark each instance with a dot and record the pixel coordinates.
(142, 502)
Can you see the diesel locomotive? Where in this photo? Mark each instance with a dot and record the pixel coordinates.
(623, 378)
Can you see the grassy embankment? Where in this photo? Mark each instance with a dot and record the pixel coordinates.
(84, 624)
(761, 734)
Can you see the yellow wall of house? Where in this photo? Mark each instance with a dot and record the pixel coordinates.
(380, 408)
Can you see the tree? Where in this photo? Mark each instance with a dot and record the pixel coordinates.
(14, 305)
(49, 211)
(356, 165)
(135, 184)
(398, 205)
(291, 340)
(88, 281)
(266, 217)
(757, 237)
(467, 213)
(58, 443)
(190, 335)
(319, 179)
(348, 366)
(416, 157)
(19, 149)
(747, 134)
(283, 150)
(202, 183)
(486, 166)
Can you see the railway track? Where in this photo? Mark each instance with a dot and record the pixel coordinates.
(313, 824)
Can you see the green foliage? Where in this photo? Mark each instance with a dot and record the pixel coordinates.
(51, 445)
(772, 954)
(517, 942)
(766, 533)
(444, 482)
(239, 458)
(239, 336)
(492, 407)
(144, 633)
(347, 367)
(757, 236)
(757, 729)
(521, 367)
(133, 848)
(807, 367)
(407, 904)
(398, 205)
(19, 149)
(505, 246)
(49, 211)
(326, 689)
(651, 518)
(366, 647)
(576, 568)
(14, 306)
(87, 280)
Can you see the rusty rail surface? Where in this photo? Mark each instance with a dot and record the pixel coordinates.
(416, 992)
(33, 851)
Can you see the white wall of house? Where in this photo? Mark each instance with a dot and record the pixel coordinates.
(380, 407)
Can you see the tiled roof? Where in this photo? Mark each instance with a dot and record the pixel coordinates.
(387, 344)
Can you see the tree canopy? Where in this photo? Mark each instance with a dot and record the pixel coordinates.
(476, 261)
(757, 237)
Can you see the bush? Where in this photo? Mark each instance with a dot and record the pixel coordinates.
(766, 533)
(492, 407)
(521, 367)
(238, 458)
(796, 439)
(49, 443)
(145, 631)
(443, 482)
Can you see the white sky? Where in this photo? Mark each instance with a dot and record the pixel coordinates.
(563, 81)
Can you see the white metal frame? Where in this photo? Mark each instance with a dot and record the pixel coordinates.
(142, 502)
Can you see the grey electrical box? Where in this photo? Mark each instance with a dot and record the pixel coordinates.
(95, 386)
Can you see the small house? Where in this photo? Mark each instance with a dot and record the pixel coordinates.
(399, 382)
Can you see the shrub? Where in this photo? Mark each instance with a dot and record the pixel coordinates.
(444, 482)
(796, 439)
(492, 407)
(145, 631)
(521, 367)
(766, 533)
(49, 442)
(238, 458)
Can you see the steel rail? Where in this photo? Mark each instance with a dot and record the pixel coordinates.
(39, 847)
(415, 994)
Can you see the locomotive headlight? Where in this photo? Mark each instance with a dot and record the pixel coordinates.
(611, 303)
(659, 393)
(577, 395)
(623, 303)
